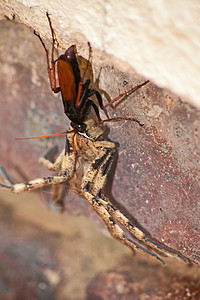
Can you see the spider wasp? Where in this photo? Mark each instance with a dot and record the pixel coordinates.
(84, 140)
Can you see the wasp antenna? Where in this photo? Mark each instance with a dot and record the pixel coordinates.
(45, 136)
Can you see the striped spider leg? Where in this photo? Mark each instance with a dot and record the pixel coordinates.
(99, 154)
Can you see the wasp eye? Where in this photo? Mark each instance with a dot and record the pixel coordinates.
(79, 127)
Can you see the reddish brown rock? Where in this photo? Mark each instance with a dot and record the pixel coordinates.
(156, 181)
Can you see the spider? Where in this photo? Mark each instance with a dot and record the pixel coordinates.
(86, 146)
(99, 154)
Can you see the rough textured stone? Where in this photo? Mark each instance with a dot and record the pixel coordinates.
(156, 182)
(144, 281)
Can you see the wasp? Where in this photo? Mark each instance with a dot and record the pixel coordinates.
(85, 144)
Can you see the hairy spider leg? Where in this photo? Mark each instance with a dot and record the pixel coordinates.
(6, 178)
(113, 228)
(116, 231)
(93, 184)
(136, 232)
(60, 163)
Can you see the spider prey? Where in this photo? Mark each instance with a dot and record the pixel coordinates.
(84, 143)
